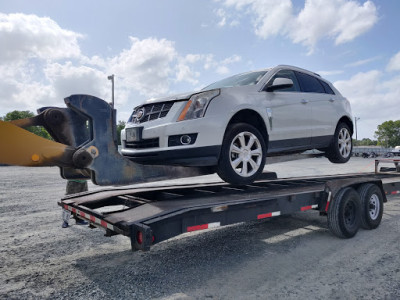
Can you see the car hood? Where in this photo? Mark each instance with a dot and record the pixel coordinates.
(183, 96)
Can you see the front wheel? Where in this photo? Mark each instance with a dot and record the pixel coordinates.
(339, 150)
(243, 154)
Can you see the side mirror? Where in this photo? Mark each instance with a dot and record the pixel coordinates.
(279, 84)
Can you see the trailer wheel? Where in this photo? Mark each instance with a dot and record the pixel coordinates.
(344, 213)
(371, 205)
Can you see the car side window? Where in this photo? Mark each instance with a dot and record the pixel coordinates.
(327, 88)
(309, 84)
(286, 74)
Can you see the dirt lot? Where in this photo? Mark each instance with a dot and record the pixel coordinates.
(282, 258)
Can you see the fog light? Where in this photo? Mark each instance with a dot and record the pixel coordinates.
(182, 139)
(185, 139)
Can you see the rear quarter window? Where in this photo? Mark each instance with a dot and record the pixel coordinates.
(327, 88)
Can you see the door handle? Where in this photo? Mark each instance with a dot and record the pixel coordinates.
(304, 101)
(331, 100)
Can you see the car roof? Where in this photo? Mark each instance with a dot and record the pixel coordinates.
(298, 69)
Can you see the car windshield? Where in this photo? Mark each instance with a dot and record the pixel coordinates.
(249, 78)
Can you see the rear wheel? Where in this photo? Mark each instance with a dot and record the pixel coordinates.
(243, 154)
(341, 146)
(371, 205)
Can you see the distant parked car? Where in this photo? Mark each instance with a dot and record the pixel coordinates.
(235, 123)
(396, 151)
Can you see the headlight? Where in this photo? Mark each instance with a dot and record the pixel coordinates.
(196, 106)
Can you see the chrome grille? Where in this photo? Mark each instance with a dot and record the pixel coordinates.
(150, 112)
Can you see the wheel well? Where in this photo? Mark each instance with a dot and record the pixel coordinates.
(349, 123)
(251, 117)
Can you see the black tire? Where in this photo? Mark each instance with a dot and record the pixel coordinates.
(339, 151)
(249, 166)
(371, 205)
(344, 213)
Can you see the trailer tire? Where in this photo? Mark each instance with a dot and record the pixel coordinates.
(344, 213)
(371, 205)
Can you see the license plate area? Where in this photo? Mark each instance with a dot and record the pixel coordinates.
(134, 134)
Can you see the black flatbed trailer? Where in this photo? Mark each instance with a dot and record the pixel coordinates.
(149, 215)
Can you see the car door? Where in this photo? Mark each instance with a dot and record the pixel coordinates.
(288, 115)
(323, 104)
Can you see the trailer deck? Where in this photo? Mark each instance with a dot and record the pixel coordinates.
(151, 215)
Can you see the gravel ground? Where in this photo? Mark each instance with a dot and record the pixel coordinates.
(281, 258)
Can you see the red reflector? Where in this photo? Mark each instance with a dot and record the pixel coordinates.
(306, 208)
(263, 216)
(103, 223)
(139, 237)
(93, 218)
(197, 227)
(327, 206)
(82, 213)
(65, 207)
(74, 210)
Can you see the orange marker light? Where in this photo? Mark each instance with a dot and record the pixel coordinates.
(184, 111)
(35, 157)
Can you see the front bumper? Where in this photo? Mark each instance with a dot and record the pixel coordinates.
(192, 157)
(159, 140)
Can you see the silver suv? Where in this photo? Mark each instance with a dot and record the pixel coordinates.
(235, 123)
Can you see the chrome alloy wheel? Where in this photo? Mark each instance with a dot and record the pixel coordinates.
(344, 143)
(245, 154)
(374, 206)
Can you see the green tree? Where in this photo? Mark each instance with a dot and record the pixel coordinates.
(388, 133)
(23, 114)
(365, 142)
(120, 126)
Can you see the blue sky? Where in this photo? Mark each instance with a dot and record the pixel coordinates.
(52, 49)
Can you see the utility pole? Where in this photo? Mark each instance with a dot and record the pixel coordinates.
(356, 119)
(111, 77)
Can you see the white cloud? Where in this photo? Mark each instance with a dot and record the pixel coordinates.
(363, 62)
(373, 98)
(67, 79)
(185, 73)
(271, 17)
(354, 19)
(146, 66)
(29, 36)
(220, 67)
(231, 60)
(222, 70)
(42, 63)
(394, 63)
(360, 86)
(340, 20)
(222, 15)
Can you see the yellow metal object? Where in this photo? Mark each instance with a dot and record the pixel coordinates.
(23, 148)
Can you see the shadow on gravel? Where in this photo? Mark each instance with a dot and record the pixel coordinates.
(178, 265)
